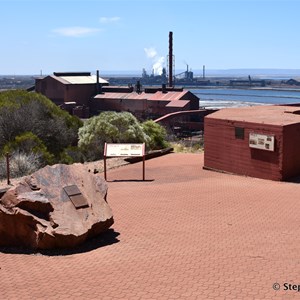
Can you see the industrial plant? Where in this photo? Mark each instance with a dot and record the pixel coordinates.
(151, 97)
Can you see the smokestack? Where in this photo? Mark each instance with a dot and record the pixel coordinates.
(203, 71)
(98, 85)
(170, 59)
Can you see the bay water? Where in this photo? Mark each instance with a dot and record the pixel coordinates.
(226, 97)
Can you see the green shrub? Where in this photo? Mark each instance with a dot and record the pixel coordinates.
(71, 155)
(28, 143)
(22, 111)
(109, 127)
(157, 135)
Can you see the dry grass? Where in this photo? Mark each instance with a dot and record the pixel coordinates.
(97, 166)
(189, 145)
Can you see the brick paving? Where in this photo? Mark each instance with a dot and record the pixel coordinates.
(185, 233)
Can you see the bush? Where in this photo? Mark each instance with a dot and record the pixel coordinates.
(2, 167)
(113, 127)
(157, 135)
(28, 143)
(109, 127)
(20, 164)
(71, 155)
(22, 111)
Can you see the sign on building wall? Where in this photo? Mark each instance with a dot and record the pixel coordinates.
(261, 141)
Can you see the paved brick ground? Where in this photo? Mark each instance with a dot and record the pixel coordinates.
(185, 233)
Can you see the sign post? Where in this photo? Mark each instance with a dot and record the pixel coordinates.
(7, 168)
(124, 150)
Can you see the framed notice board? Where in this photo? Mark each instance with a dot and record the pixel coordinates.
(262, 141)
(124, 150)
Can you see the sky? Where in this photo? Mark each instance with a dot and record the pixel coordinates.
(46, 36)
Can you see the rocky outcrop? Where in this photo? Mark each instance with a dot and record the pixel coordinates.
(59, 206)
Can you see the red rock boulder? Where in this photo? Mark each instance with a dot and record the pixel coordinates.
(59, 206)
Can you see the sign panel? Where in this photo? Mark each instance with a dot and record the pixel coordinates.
(124, 150)
(262, 141)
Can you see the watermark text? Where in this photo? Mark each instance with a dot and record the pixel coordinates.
(286, 286)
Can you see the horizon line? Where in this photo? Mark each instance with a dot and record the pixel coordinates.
(131, 72)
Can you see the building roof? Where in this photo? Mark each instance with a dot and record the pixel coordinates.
(168, 96)
(72, 73)
(265, 114)
(178, 103)
(119, 96)
(158, 96)
(85, 79)
(117, 89)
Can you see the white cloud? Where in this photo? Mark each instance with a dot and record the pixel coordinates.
(109, 19)
(150, 52)
(76, 31)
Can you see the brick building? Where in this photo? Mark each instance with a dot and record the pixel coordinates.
(154, 104)
(78, 87)
(84, 94)
(260, 141)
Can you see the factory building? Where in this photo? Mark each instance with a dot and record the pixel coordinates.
(145, 105)
(83, 94)
(76, 87)
(260, 141)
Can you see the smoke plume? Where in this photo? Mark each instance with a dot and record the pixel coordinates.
(157, 61)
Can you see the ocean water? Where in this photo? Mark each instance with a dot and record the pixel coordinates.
(223, 97)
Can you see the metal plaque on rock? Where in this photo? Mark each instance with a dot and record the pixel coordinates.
(76, 196)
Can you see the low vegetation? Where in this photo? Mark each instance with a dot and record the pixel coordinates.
(36, 132)
(21, 164)
(157, 135)
(113, 127)
(188, 145)
(32, 126)
(22, 112)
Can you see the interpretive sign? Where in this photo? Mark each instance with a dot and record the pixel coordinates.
(124, 150)
(119, 150)
(262, 141)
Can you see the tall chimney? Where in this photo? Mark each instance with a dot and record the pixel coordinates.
(203, 71)
(98, 85)
(170, 59)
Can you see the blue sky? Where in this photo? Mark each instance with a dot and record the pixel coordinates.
(129, 35)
